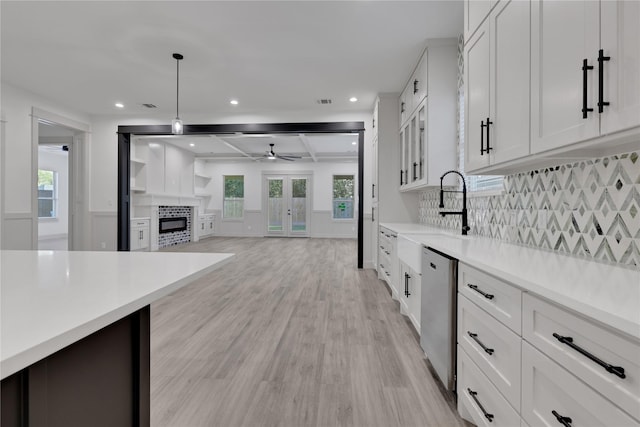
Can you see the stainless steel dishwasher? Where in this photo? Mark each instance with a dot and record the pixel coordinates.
(438, 313)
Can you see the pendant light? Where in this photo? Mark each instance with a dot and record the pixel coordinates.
(176, 124)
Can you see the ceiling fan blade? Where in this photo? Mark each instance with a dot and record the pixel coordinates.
(288, 156)
(289, 159)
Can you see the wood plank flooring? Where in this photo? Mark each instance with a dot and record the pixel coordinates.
(290, 333)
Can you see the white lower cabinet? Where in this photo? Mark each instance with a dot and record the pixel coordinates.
(388, 259)
(552, 396)
(411, 294)
(565, 369)
(139, 234)
(205, 225)
(480, 397)
(494, 348)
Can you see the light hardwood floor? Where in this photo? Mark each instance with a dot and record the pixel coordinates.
(290, 333)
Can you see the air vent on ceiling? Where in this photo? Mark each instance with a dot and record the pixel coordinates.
(324, 101)
(149, 105)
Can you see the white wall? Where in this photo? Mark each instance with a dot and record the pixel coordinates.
(57, 162)
(18, 162)
(322, 223)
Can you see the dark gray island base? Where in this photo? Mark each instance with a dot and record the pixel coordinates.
(101, 380)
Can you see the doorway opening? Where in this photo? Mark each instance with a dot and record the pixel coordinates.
(58, 183)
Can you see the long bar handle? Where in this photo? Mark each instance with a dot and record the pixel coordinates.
(487, 350)
(585, 69)
(406, 285)
(601, 59)
(615, 370)
(484, 294)
(489, 122)
(565, 421)
(482, 125)
(473, 395)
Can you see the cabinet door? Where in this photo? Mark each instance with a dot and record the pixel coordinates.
(414, 289)
(405, 155)
(509, 98)
(564, 34)
(134, 239)
(421, 135)
(477, 85)
(144, 238)
(620, 37)
(406, 99)
(413, 149)
(419, 80)
(475, 11)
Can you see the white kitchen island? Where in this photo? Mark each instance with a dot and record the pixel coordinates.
(74, 341)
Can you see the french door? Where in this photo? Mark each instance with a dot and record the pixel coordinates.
(287, 205)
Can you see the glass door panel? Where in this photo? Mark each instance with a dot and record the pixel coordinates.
(421, 141)
(298, 205)
(275, 205)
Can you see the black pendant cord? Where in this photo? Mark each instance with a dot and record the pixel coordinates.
(178, 57)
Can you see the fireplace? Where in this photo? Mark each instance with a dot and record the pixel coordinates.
(170, 225)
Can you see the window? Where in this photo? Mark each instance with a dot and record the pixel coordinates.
(47, 194)
(233, 204)
(343, 196)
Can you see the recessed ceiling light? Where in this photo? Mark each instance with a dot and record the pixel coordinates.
(119, 105)
(192, 145)
(234, 102)
(353, 143)
(353, 99)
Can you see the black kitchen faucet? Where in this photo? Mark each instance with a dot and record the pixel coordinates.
(463, 212)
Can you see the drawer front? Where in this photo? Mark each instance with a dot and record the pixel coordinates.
(549, 392)
(500, 358)
(140, 223)
(471, 380)
(541, 320)
(498, 298)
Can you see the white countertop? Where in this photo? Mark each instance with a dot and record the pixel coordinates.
(607, 293)
(50, 299)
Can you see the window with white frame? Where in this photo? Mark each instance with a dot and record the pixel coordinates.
(233, 203)
(47, 194)
(343, 196)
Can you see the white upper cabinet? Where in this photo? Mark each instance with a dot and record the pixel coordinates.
(564, 39)
(475, 11)
(428, 145)
(586, 73)
(497, 87)
(620, 36)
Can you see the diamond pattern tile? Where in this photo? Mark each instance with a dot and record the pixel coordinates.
(592, 209)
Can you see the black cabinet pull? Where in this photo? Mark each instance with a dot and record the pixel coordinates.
(373, 218)
(374, 123)
(415, 176)
(565, 421)
(406, 285)
(484, 294)
(585, 69)
(487, 350)
(415, 86)
(401, 177)
(601, 102)
(473, 394)
(482, 125)
(402, 105)
(615, 370)
(489, 148)
(373, 190)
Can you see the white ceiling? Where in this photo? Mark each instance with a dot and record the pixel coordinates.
(272, 56)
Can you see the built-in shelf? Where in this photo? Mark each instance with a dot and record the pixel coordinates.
(205, 177)
(138, 189)
(202, 194)
(138, 161)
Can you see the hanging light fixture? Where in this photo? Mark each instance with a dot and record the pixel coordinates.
(176, 124)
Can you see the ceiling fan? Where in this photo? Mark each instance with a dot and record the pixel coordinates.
(271, 155)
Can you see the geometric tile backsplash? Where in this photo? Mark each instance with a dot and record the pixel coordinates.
(589, 208)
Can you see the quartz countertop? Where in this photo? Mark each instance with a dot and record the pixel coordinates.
(50, 299)
(607, 293)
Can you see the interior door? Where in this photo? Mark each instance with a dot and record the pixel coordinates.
(288, 205)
